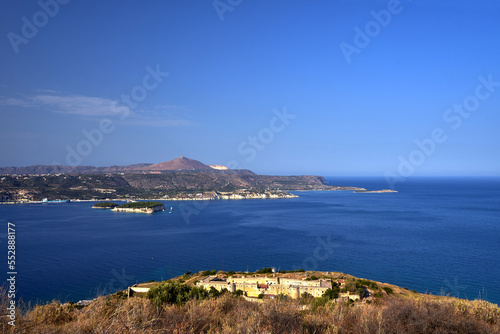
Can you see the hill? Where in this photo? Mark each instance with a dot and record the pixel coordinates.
(178, 164)
(143, 185)
(177, 306)
(181, 178)
(61, 169)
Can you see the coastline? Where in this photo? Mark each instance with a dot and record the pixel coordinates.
(156, 208)
(214, 196)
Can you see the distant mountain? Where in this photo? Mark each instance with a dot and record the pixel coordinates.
(178, 178)
(181, 163)
(61, 169)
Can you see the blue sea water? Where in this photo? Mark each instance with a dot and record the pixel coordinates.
(436, 235)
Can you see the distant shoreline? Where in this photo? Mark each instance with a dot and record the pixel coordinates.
(285, 195)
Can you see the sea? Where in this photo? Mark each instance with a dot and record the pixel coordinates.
(438, 235)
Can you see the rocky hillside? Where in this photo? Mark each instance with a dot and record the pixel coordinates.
(153, 186)
(162, 180)
(181, 163)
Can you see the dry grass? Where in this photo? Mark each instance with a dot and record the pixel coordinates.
(231, 314)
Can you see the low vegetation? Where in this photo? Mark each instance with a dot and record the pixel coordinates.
(174, 307)
(140, 205)
(100, 186)
(105, 205)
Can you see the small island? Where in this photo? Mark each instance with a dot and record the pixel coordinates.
(141, 207)
(105, 205)
(375, 191)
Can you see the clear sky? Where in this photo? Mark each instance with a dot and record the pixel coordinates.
(329, 87)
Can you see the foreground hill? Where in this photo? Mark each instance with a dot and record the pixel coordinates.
(177, 306)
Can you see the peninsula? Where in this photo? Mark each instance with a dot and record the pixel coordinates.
(382, 191)
(178, 179)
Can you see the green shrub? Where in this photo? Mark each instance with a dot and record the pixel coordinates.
(332, 293)
(367, 283)
(318, 302)
(306, 297)
(292, 271)
(209, 272)
(176, 293)
(350, 284)
(360, 292)
(105, 205)
(388, 290)
(140, 205)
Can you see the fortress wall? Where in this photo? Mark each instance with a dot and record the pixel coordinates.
(289, 287)
(255, 280)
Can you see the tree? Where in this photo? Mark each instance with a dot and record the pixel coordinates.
(208, 272)
(213, 292)
(105, 205)
(332, 293)
(306, 297)
(140, 205)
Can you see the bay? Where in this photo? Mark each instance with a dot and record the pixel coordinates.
(437, 235)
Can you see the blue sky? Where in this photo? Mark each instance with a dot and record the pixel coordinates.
(339, 87)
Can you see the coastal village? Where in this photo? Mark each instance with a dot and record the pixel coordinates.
(181, 179)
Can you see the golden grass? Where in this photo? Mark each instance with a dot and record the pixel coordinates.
(230, 314)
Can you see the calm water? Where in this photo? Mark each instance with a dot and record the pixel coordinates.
(435, 235)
